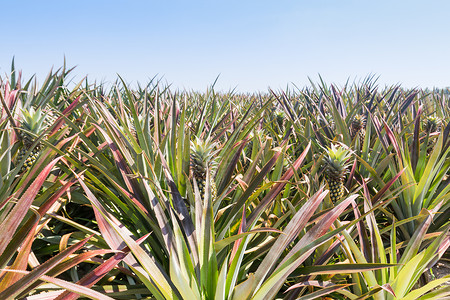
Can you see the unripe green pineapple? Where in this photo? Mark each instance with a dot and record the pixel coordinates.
(430, 125)
(357, 128)
(33, 123)
(203, 157)
(132, 127)
(278, 122)
(336, 164)
(133, 131)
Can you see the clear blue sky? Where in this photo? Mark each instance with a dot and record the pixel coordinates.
(252, 44)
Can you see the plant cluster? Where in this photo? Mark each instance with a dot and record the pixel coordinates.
(146, 193)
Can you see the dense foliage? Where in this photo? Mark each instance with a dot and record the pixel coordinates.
(148, 193)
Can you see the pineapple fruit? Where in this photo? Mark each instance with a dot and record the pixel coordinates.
(280, 122)
(203, 157)
(33, 123)
(336, 164)
(357, 128)
(431, 125)
(132, 127)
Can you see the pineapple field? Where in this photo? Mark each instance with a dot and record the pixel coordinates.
(145, 192)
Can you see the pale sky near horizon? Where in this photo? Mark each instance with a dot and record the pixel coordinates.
(251, 45)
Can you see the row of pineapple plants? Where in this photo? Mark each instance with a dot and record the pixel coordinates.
(297, 194)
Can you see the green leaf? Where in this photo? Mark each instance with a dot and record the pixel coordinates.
(417, 293)
(219, 245)
(243, 291)
(292, 230)
(342, 268)
(115, 233)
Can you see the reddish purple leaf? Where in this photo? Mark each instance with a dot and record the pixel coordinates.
(277, 188)
(15, 217)
(22, 284)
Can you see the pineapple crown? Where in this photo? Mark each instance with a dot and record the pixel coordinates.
(280, 116)
(33, 120)
(203, 154)
(337, 158)
(359, 120)
(431, 124)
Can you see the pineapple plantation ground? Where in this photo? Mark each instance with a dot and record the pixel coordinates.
(148, 193)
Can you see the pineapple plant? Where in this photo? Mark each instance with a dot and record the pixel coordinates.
(336, 164)
(357, 128)
(133, 131)
(203, 157)
(130, 124)
(279, 124)
(431, 125)
(33, 123)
